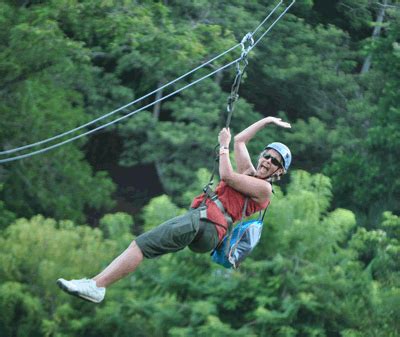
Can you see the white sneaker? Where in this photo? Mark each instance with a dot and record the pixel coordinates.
(84, 288)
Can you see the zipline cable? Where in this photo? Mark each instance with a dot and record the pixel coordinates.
(135, 101)
(24, 147)
(116, 120)
(266, 18)
(272, 25)
(245, 51)
(44, 141)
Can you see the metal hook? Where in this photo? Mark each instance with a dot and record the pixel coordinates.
(248, 38)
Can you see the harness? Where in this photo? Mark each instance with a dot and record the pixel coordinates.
(210, 194)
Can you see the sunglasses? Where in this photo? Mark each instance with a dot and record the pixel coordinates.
(274, 161)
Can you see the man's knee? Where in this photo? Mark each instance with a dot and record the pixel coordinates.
(136, 249)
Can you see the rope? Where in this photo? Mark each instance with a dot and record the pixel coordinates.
(233, 97)
(248, 38)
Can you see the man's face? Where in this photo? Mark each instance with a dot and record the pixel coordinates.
(269, 163)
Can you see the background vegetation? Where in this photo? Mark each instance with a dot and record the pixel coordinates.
(328, 262)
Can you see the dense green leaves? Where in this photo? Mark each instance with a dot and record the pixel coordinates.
(34, 254)
(327, 264)
(312, 274)
(40, 99)
(65, 62)
(373, 132)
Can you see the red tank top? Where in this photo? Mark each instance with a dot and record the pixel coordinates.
(233, 202)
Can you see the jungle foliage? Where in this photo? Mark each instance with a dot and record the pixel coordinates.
(328, 262)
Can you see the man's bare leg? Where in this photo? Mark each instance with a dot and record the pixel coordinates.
(120, 267)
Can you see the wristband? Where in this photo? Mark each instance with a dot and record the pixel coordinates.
(223, 147)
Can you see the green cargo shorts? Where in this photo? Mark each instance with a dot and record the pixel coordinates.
(200, 235)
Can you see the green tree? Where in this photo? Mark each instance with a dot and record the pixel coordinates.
(314, 273)
(6, 217)
(370, 186)
(158, 210)
(33, 254)
(38, 63)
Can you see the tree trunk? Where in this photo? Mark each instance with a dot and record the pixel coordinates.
(218, 77)
(157, 106)
(156, 116)
(376, 32)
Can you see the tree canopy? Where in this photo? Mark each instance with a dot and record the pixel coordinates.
(327, 263)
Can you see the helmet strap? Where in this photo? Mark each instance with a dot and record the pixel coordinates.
(272, 177)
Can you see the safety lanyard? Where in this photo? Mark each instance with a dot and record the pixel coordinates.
(246, 43)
